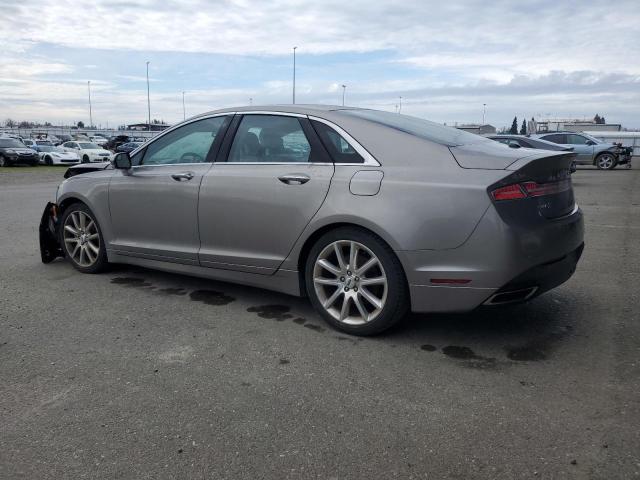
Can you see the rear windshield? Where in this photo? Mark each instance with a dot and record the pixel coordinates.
(418, 127)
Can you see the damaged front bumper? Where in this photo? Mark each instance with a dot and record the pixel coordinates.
(50, 248)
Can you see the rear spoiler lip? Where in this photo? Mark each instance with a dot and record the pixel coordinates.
(521, 162)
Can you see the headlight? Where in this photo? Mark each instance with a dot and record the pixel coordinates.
(11, 151)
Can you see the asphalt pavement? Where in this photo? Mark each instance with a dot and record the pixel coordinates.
(137, 374)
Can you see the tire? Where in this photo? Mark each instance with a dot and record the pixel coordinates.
(372, 307)
(85, 159)
(606, 161)
(48, 160)
(4, 162)
(81, 220)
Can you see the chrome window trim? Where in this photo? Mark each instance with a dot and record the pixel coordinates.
(369, 160)
(172, 165)
(276, 163)
(171, 129)
(269, 112)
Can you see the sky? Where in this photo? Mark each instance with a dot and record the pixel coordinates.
(445, 59)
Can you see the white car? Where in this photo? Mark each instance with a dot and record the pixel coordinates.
(88, 151)
(99, 140)
(50, 155)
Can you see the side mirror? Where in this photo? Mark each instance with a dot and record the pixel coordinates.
(514, 145)
(122, 161)
(590, 142)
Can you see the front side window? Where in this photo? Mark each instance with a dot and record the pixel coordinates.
(576, 140)
(339, 149)
(556, 138)
(270, 139)
(88, 146)
(187, 144)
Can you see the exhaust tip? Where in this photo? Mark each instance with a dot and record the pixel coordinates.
(511, 296)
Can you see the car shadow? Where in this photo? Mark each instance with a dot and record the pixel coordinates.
(488, 337)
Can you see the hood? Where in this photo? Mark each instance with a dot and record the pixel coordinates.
(86, 168)
(496, 156)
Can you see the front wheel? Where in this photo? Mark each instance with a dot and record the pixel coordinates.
(356, 282)
(85, 159)
(606, 161)
(82, 240)
(48, 160)
(3, 162)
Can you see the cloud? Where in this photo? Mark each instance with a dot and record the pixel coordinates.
(444, 58)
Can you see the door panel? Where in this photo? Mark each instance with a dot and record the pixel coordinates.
(250, 219)
(154, 205)
(155, 214)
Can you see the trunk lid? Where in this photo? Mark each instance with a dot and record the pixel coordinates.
(492, 155)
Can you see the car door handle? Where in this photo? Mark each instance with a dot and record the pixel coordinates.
(294, 179)
(179, 177)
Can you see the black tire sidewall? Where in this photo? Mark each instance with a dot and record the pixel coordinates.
(101, 263)
(397, 302)
(85, 159)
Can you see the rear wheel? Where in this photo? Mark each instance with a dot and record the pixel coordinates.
(3, 162)
(355, 281)
(81, 239)
(606, 161)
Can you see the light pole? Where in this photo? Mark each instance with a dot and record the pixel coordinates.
(294, 75)
(184, 111)
(90, 113)
(484, 111)
(148, 99)
(400, 105)
(344, 88)
(250, 100)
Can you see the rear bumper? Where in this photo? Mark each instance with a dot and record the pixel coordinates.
(496, 259)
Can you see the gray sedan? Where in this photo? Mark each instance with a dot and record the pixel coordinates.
(589, 150)
(367, 213)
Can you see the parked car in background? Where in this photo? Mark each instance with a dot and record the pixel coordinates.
(29, 143)
(52, 155)
(62, 138)
(87, 151)
(117, 140)
(99, 140)
(128, 147)
(42, 143)
(296, 204)
(522, 141)
(14, 152)
(589, 150)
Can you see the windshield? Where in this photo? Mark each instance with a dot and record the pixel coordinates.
(418, 127)
(88, 146)
(10, 143)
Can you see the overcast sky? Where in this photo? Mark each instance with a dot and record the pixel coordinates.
(540, 58)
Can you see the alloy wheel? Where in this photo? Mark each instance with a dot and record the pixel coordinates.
(350, 282)
(81, 238)
(605, 161)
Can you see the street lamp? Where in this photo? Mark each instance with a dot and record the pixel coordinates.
(184, 111)
(250, 100)
(294, 75)
(400, 105)
(148, 99)
(344, 88)
(484, 111)
(90, 113)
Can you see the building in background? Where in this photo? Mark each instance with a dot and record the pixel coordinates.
(477, 128)
(575, 125)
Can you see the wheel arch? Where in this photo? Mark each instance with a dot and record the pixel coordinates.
(313, 237)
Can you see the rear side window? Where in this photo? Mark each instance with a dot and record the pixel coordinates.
(339, 149)
(270, 139)
(576, 140)
(524, 144)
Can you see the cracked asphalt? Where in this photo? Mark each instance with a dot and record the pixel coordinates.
(137, 374)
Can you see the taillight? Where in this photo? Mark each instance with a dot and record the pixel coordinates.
(510, 192)
(529, 189)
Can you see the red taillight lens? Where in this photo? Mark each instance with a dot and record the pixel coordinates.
(510, 192)
(539, 189)
(529, 189)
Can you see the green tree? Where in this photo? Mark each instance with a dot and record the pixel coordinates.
(523, 128)
(514, 126)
